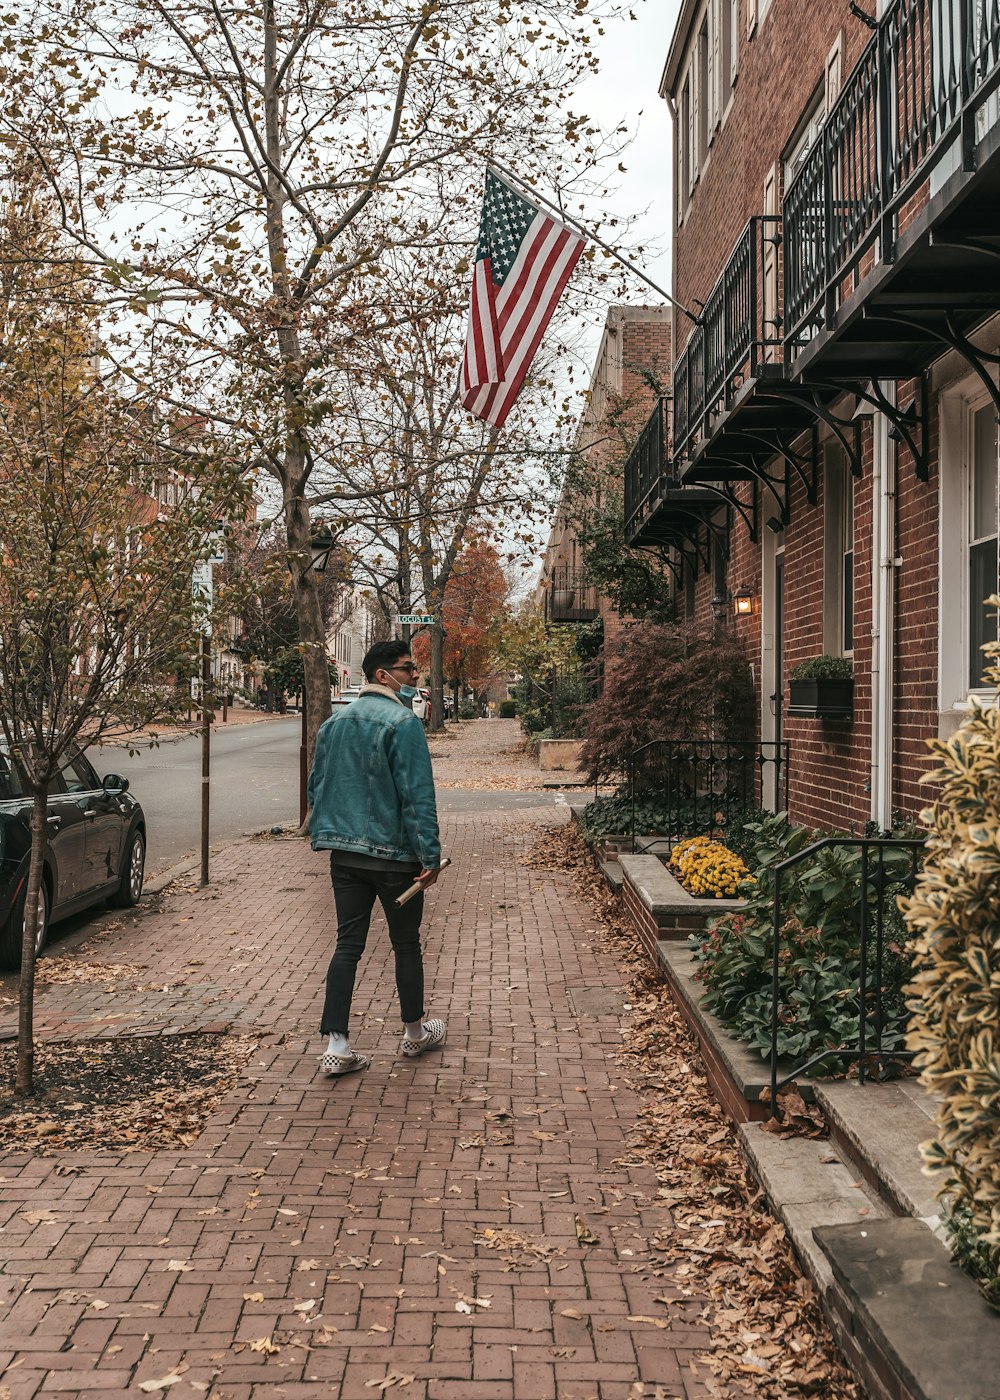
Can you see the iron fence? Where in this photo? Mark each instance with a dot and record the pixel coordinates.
(696, 786)
(919, 86)
(888, 865)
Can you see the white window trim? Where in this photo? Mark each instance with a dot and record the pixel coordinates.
(956, 409)
(834, 500)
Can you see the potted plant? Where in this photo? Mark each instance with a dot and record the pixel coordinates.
(822, 688)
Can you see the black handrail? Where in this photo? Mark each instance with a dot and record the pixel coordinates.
(647, 466)
(700, 779)
(874, 877)
(917, 86)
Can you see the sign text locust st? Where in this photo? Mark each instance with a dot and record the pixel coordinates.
(415, 619)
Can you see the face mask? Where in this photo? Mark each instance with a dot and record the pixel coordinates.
(407, 692)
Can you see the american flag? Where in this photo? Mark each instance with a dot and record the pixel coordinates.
(523, 262)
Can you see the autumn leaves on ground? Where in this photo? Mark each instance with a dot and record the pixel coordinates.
(630, 1233)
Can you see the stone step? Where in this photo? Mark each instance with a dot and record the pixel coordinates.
(612, 872)
(880, 1128)
(912, 1325)
(808, 1184)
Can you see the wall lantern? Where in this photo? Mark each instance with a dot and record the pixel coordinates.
(744, 603)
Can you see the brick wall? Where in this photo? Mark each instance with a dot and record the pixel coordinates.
(780, 68)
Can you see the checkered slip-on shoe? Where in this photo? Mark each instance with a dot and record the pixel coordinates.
(433, 1039)
(333, 1065)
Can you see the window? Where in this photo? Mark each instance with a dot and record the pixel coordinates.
(838, 551)
(703, 92)
(983, 569)
(806, 134)
(78, 776)
(728, 50)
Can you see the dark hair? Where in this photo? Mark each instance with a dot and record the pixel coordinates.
(382, 657)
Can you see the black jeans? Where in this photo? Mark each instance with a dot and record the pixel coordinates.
(355, 892)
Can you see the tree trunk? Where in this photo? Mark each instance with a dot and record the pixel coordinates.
(312, 635)
(24, 1078)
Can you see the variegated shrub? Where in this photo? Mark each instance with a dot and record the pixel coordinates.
(954, 913)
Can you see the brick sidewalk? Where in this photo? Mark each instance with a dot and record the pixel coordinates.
(348, 1222)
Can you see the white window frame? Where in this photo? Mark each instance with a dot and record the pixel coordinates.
(956, 415)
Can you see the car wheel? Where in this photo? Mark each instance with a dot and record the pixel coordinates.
(133, 868)
(12, 933)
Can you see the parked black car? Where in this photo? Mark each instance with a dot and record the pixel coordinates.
(95, 848)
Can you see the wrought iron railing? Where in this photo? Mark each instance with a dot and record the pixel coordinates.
(569, 597)
(915, 90)
(646, 467)
(692, 787)
(888, 866)
(737, 332)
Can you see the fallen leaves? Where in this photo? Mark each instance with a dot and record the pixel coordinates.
(519, 1248)
(583, 1232)
(126, 1094)
(394, 1378)
(265, 1346)
(798, 1118)
(729, 1261)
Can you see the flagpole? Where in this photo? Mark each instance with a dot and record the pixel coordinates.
(588, 233)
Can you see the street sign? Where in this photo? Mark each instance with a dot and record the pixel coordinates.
(415, 619)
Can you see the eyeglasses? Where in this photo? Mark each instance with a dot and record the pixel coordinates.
(406, 666)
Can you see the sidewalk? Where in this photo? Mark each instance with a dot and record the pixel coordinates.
(475, 1225)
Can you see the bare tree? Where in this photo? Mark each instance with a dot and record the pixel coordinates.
(272, 157)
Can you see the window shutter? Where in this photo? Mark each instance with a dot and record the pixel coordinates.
(693, 152)
(733, 20)
(834, 69)
(751, 17)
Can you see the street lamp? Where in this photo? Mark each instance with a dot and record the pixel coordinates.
(321, 545)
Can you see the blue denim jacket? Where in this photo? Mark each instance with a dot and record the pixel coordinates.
(371, 789)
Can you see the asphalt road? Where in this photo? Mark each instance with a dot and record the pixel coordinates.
(254, 785)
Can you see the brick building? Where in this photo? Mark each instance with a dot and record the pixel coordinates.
(631, 365)
(832, 468)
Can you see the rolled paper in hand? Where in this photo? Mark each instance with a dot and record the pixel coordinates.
(419, 885)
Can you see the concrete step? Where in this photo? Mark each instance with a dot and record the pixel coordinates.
(612, 872)
(880, 1127)
(808, 1184)
(912, 1325)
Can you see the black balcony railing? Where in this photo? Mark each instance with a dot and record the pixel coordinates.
(646, 467)
(569, 598)
(687, 787)
(739, 330)
(918, 88)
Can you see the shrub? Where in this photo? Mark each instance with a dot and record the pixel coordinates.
(612, 816)
(508, 709)
(707, 869)
(468, 709)
(823, 668)
(668, 682)
(821, 954)
(955, 914)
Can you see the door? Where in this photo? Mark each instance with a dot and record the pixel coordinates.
(103, 823)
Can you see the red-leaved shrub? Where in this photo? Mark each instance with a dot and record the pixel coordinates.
(668, 682)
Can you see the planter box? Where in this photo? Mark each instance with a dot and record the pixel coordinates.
(559, 755)
(830, 699)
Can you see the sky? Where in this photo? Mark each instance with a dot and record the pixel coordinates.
(626, 89)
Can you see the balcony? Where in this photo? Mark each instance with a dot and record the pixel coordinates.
(892, 247)
(659, 511)
(568, 598)
(885, 257)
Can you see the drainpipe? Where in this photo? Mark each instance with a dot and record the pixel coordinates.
(884, 565)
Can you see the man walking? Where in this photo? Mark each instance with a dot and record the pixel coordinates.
(371, 791)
